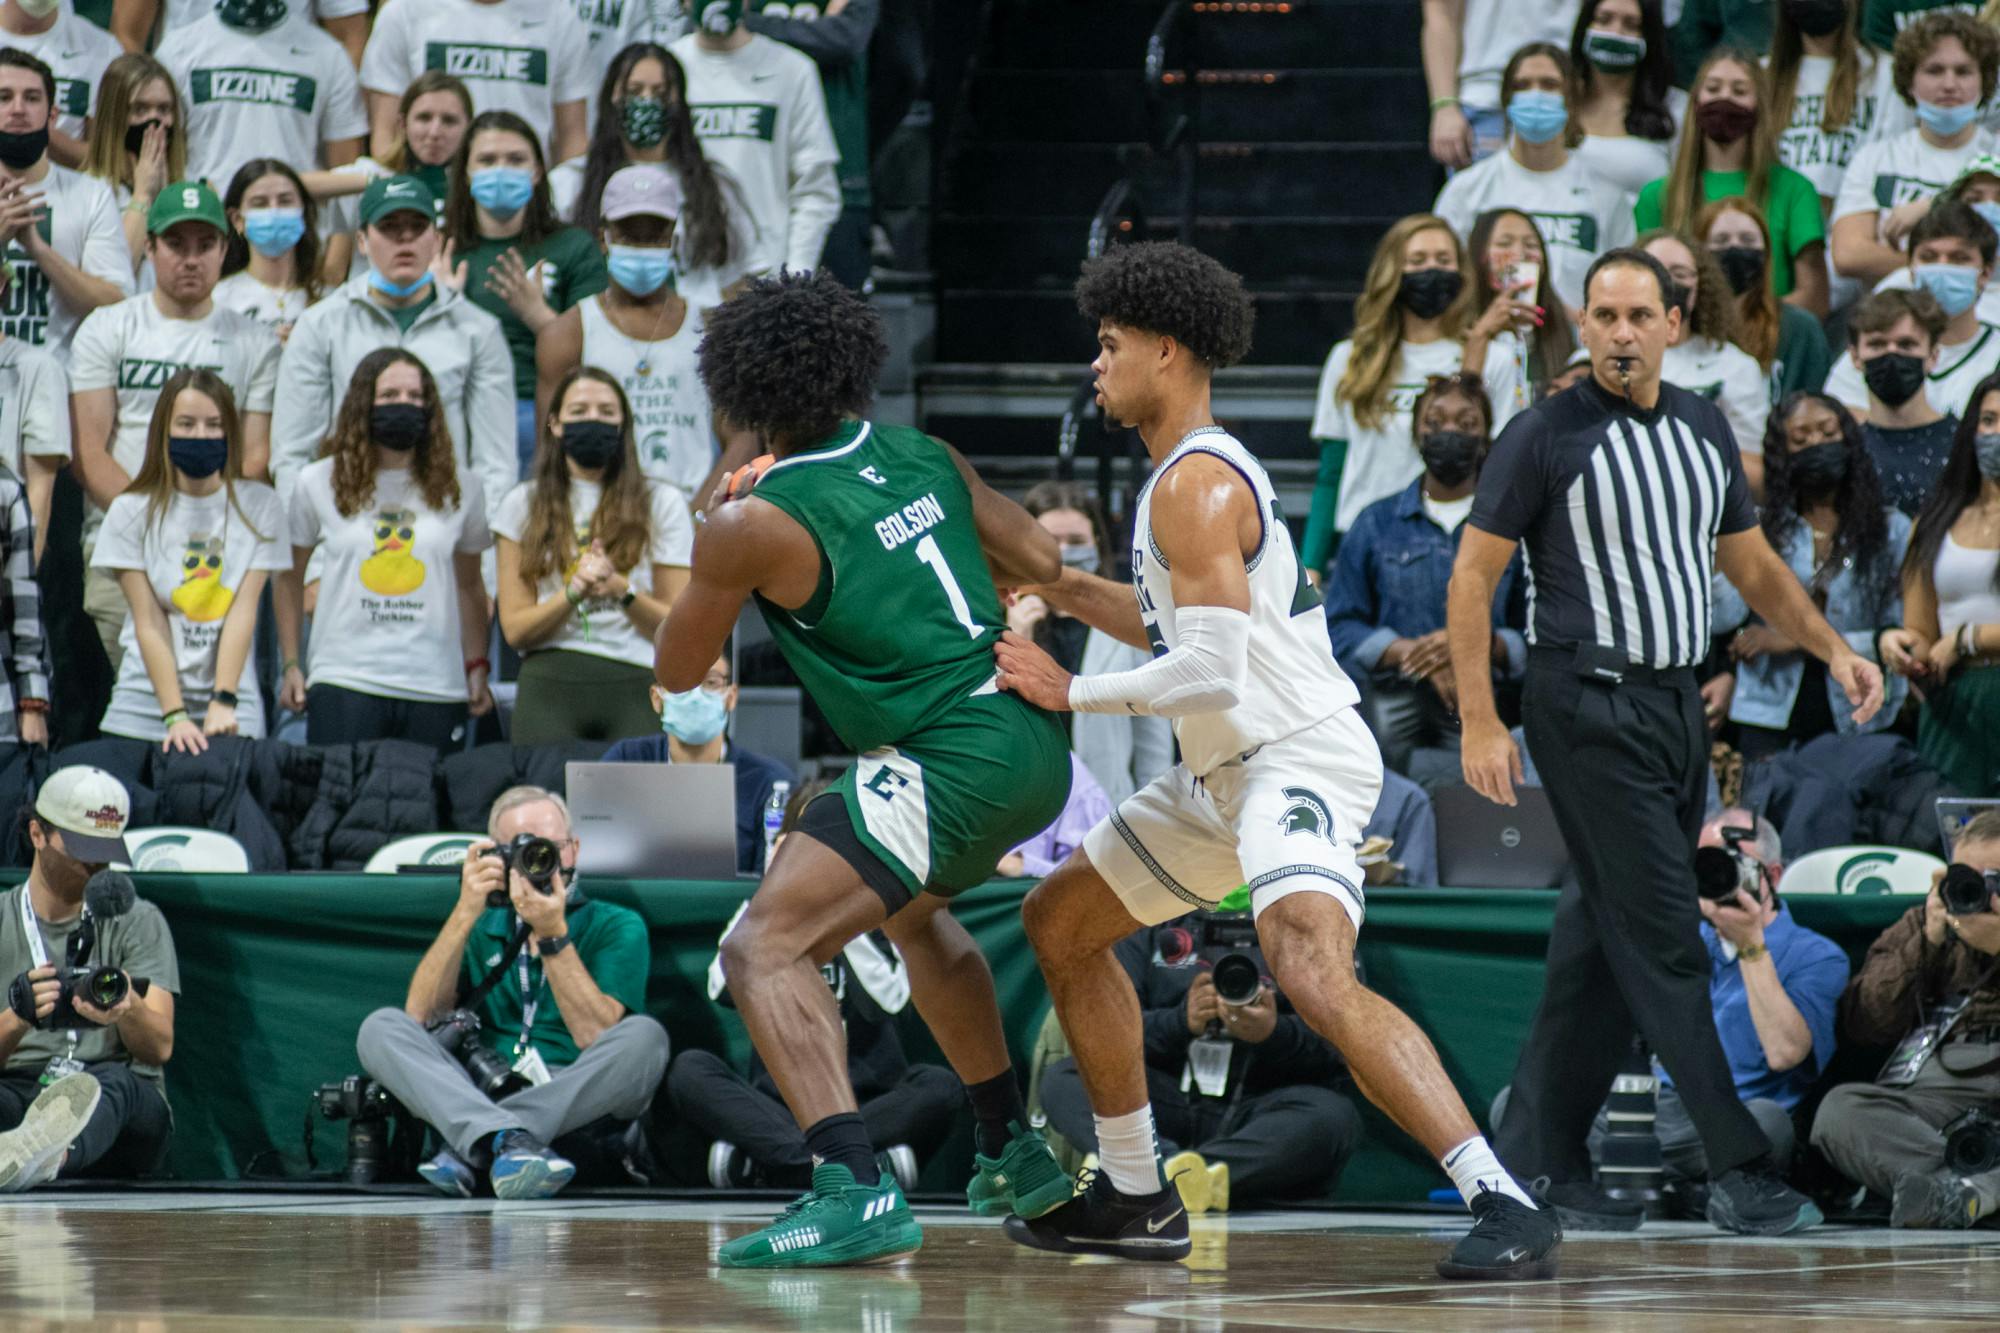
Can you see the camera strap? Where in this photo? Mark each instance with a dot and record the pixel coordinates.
(38, 950)
(477, 995)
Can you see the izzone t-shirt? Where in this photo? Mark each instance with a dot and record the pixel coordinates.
(80, 223)
(195, 555)
(77, 52)
(387, 621)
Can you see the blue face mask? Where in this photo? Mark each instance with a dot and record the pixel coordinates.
(1538, 116)
(1990, 210)
(694, 717)
(274, 231)
(198, 455)
(640, 269)
(502, 191)
(1945, 121)
(1954, 286)
(388, 288)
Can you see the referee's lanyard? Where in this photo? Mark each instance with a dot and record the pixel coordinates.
(531, 1002)
(38, 951)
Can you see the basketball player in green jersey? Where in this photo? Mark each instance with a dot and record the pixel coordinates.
(872, 551)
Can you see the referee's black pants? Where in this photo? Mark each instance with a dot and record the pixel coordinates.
(1625, 767)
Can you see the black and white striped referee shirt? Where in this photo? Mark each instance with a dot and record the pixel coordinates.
(1619, 510)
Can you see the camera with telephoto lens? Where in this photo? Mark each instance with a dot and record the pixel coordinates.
(102, 986)
(370, 1114)
(1720, 871)
(108, 895)
(1967, 892)
(1972, 1142)
(457, 1034)
(1222, 940)
(535, 857)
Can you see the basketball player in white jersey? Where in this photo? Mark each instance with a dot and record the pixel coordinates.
(1278, 777)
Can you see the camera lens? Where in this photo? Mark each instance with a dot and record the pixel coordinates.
(1715, 874)
(1964, 891)
(1237, 979)
(539, 859)
(105, 987)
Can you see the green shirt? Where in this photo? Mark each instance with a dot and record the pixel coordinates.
(1791, 210)
(1707, 24)
(611, 943)
(406, 315)
(1883, 19)
(1803, 358)
(573, 268)
(901, 629)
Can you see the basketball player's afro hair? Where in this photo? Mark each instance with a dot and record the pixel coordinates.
(1171, 289)
(792, 356)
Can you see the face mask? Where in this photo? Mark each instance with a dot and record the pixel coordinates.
(1989, 210)
(1452, 456)
(399, 426)
(1955, 287)
(1725, 121)
(640, 269)
(1815, 18)
(1818, 469)
(1082, 557)
(644, 120)
(1946, 121)
(135, 136)
(1987, 449)
(1894, 377)
(1537, 116)
(251, 15)
(274, 231)
(694, 717)
(21, 151)
(1426, 292)
(591, 444)
(398, 290)
(1613, 52)
(198, 455)
(718, 17)
(1743, 266)
(502, 191)
(38, 9)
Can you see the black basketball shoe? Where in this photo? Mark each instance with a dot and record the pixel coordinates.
(1509, 1241)
(1100, 1220)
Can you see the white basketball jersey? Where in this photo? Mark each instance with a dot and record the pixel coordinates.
(1293, 681)
(670, 414)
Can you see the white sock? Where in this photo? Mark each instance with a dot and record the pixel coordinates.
(1472, 1164)
(1126, 1151)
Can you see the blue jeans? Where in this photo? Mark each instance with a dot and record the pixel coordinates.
(526, 437)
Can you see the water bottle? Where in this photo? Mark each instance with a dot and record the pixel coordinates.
(774, 817)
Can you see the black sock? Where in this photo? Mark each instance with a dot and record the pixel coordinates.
(842, 1139)
(997, 1107)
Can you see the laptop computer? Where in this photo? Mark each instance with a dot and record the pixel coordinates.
(1481, 845)
(654, 821)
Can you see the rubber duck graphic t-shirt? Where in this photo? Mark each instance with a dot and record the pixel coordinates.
(387, 620)
(195, 553)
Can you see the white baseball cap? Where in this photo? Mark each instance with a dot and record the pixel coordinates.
(645, 190)
(91, 808)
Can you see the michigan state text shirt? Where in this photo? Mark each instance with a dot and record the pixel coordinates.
(1579, 213)
(76, 52)
(1823, 156)
(280, 93)
(80, 223)
(524, 56)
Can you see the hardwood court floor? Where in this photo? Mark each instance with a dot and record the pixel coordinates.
(173, 1262)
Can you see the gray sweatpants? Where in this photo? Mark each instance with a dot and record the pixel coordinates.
(1874, 1134)
(615, 1076)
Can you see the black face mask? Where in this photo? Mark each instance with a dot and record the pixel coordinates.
(1818, 469)
(399, 426)
(135, 136)
(1743, 266)
(1452, 456)
(20, 151)
(591, 444)
(1426, 292)
(1894, 377)
(1815, 18)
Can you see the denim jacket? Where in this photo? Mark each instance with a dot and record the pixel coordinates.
(1768, 686)
(1389, 583)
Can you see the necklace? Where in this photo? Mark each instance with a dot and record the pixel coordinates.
(645, 365)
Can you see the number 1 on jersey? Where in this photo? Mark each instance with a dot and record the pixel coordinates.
(928, 552)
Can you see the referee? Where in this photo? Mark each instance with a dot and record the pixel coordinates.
(1629, 494)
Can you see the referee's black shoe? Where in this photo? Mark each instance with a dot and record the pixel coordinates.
(1100, 1220)
(1581, 1206)
(1509, 1241)
(1753, 1200)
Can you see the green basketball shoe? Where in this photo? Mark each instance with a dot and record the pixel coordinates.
(840, 1222)
(1025, 1179)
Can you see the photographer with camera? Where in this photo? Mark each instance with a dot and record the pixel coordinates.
(1921, 1133)
(89, 1019)
(1244, 1093)
(524, 1022)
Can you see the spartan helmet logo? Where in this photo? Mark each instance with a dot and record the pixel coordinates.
(1306, 814)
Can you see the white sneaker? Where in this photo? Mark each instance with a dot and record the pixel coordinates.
(721, 1156)
(32, 1153)
(902, 1165)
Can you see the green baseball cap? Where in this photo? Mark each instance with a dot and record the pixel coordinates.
(186, 201)
(396, 194)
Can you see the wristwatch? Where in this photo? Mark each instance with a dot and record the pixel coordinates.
(631, 596)
(550, 948)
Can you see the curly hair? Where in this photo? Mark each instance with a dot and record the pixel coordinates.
(1862, 540)
(1168, 288)
(791, 357)
(1915, 43)
(351, 444)
(1712, 312)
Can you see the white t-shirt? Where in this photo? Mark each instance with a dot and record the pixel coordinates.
(178, 14)
(77, 51)
(34, 406)
(1382, 460)
(280, 93)
(1730, 378)
(603, 629)
(1579, 213)
(1960, 368)
(82, 226)
(670, 412)
(1901, 169)
(1823, 158)
(387, 621)
(566, 185)
(1493, 30)
(133, 348)
(269, 306)
(1628, 162)
(196, 557)
(609, 26)
(524, 56)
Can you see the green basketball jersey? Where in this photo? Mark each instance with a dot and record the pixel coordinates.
(902, 626)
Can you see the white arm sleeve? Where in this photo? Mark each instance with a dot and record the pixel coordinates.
(1204, 673)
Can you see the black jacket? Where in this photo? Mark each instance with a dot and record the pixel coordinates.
(471, 780)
